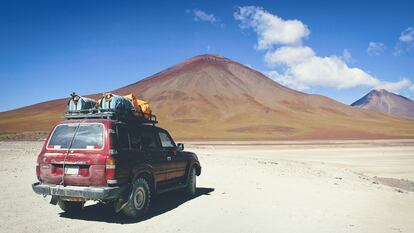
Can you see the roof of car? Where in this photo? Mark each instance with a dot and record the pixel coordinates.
(86, 121)
(104, 121)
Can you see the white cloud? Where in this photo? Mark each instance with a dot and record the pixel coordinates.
(411, 88)
(200, 15)
(288, 55)
(396, 86)
(271, 29)
(329, 71)
(375, 48)
(405, 43)
(295, 65)
(407, 36)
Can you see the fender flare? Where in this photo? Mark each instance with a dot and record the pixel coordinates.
(191, 165)
(146, 171)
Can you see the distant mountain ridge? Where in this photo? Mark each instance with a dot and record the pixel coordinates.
(210, 97)
(386, 102)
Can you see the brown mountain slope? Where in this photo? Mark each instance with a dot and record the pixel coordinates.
(386, 102)
(212, 97)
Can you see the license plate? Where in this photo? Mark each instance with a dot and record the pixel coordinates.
(71, 170)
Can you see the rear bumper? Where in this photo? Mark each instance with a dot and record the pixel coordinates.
(92, 193)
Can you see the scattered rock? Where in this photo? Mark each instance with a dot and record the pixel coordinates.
(268, 162)
(396, 229)
(399, 184)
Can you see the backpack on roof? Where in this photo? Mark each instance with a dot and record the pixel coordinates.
(78, 103)
(142, 107)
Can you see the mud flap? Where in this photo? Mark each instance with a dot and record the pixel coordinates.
(121, 202)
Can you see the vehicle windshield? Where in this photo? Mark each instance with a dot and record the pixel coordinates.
(88, 136)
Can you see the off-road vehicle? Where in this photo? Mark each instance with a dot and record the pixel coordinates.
(123, 162)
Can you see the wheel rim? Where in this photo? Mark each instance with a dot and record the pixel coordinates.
(139, 199)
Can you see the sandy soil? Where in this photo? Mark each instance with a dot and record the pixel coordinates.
(245, 187)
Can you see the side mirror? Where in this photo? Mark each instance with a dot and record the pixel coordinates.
(180, 147)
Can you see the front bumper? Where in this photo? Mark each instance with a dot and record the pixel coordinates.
(91, 193)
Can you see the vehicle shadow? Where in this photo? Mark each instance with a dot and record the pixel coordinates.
(159, 204)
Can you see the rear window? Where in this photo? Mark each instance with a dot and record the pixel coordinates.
(88, 136)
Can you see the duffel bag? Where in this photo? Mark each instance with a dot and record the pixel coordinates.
(142, 107)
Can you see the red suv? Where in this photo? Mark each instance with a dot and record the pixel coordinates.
(122, 162)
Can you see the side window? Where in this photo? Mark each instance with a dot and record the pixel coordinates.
(148, 139)
(123, 137)
(165, 140)
(135, 138)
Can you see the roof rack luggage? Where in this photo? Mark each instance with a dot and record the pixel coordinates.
(112, 107)
(77, 102)
(111, 114)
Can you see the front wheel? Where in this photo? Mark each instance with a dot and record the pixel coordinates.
(139, 200)
(70, 206)
(192, 182)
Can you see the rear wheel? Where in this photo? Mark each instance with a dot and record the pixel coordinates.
(139, 200)
(70, 206)
(192, 183)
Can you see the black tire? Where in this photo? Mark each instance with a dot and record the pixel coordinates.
(192, 183)
(70, 206)
(139, 200)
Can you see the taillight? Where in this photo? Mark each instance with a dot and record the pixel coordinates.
(110, 171)
(38, 171)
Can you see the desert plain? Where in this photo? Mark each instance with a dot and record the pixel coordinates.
(255, 186)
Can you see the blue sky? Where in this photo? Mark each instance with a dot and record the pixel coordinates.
(51, 48)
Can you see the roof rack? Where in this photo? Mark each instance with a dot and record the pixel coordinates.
(111, 114)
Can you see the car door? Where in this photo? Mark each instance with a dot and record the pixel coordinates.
(176, 162)
(138, 155)
(153, 153)
(120, 141)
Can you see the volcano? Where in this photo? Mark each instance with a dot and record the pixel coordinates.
(386, 102)
(210, 97)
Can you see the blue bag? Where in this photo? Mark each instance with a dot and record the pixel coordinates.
(116, 103)
(78, 103)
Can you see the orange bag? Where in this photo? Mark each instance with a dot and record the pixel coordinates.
(142, 107)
